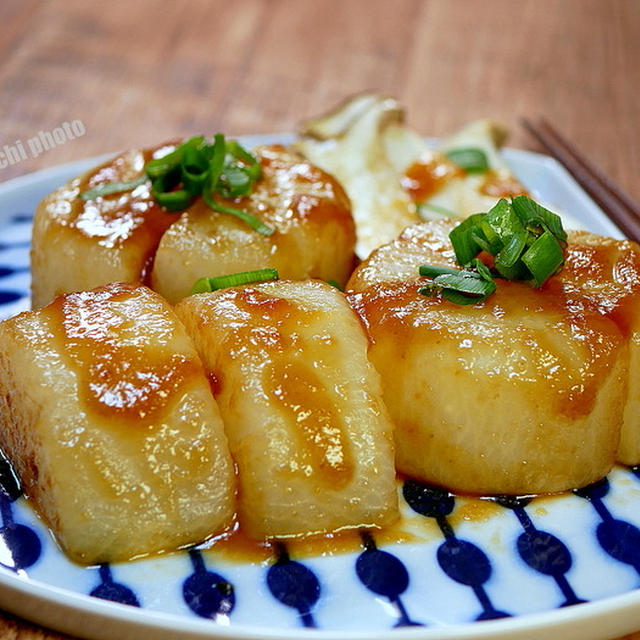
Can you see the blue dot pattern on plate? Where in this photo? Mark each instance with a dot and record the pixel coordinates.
(15, 240)
(620, 539)
(542, 551)
(379, 586)
(461, 560)
(21, 546)
(294, 585)
(206, 593)
(382, 573)
(109, 589)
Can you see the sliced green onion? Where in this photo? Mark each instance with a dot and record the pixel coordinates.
(432, 271)
(513, 248)
(462, 298)
(238, 151)
(532, 215)
(427, 206)
(216, 164)
(194, 170)
(165, 189)
(466, 282)
(202, 285)
(159, 166)
(173, 200)
(508, 262)
(460, 287)
(526, 240)
(461, 236)
(234, 182)
(198, 168)
(543, 258)
(483, 271)
(503, 219)
(334, 284)
(471, 159)
(252, 166)
(254, 222)
(112, 187)
(484, 235)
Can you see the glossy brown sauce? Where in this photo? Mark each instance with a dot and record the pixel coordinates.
(428, 175)
(474, 510)
(322, 440)
(118, 379)
(215, 382)
(500, 185)
(608, 274)
(291, 191)
(236, 546)
(574, 373)
(131, 216)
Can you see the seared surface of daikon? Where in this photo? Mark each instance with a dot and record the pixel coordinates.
(522, 393)
(314, 231)
(607, 272)
(108, 419)
(301, 406)
(78, 245)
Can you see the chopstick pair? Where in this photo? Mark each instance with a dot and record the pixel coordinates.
(618, 205)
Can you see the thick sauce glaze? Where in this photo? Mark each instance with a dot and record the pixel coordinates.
(607, 272)
(320, 433)
(499, 184)
(292, 190)
(546, 370)
(120, 376)
(322, 446)
(552, 342)
(130, 216)
(314, 233)
(311, 440)
(428, 175)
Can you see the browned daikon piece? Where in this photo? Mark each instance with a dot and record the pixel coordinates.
(78, 245)
(301, 406)
(314, 232)
(108, 418)
(522, 393)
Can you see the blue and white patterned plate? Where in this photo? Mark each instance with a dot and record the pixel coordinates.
(567, 566)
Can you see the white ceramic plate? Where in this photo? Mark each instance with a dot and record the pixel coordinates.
(565, 567)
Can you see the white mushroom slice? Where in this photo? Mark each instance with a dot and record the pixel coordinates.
(391, 175)
(358, 159)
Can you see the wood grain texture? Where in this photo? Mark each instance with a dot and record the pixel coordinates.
(138, 72)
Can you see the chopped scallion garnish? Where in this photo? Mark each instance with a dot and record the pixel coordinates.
(112, 187)
(160, 166)
(525, 240)
(197, 167)
(532, 215)
(254, 222)
(424, 207)
(459, 286)
(471, 159)
(202, 285)
(543, 258)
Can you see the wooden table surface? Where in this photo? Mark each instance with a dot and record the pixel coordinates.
(134, 73)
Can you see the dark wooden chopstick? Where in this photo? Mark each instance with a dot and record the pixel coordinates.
(621, 208)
